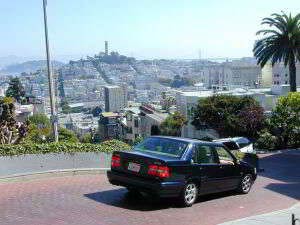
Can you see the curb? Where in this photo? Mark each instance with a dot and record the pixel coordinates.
(253, 218)
(52, 173)
(263, 152)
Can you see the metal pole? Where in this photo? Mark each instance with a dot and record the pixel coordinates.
(50, 79)
(294, 219)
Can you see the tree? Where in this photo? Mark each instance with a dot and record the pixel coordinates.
(280, 44)
(61, 88)
(16, 90)
(66, 109)
(96, 111)
(66, 135)
(39, 129)
(11, 131)
(229, 115)
(86, 138)
(155, 130)
(40, 120)
(284, 122)
(167, 101)
(172, 125)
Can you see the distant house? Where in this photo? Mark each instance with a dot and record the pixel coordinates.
(109, 126)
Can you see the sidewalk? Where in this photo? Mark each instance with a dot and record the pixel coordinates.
(282, 217)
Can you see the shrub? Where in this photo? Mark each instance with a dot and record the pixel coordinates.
(40, 120)
(138, 140)
(86, 138)
(65, 135)
(285, 121)
(62, 147)
(266, 141)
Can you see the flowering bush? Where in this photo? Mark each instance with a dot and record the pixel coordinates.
(62, 147)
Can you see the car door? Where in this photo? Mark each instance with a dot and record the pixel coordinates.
(205, 168)
(229, 172)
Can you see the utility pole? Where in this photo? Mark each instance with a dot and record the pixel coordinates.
(50, 78)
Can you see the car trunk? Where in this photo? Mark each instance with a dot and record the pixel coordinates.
(137, 163)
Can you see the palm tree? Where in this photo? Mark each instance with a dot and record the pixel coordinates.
(280, 43)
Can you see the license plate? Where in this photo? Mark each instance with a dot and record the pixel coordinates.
(135, 167)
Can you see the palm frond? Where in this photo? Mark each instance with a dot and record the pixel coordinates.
(264, 32)
(281, 43)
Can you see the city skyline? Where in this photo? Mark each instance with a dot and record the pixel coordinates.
(169, 29)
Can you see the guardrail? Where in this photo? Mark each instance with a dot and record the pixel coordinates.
(39, 163)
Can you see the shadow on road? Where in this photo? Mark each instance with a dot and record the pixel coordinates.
(143, 202)
(285, 168)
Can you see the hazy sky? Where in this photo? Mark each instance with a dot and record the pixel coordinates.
(139, 28)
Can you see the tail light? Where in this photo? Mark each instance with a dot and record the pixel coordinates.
(159, 171)
(115, 161)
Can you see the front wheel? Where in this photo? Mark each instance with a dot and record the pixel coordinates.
(246, 184)
(189, 194)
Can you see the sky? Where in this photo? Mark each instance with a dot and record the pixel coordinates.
(140, 28)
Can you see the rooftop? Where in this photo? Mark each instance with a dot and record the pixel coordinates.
(111, 86)
(109, 114)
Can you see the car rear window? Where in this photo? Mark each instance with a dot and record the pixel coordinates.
(243, 142)
(231, 145)
(162, 146)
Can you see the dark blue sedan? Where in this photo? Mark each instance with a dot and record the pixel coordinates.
(180, 167)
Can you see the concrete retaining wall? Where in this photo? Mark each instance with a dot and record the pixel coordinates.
(24, 164)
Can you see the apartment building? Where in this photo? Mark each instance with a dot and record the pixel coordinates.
(115, 98)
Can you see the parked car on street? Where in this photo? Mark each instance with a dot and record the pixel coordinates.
(242, 144)
(181, 168)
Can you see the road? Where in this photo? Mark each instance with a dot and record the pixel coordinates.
(91, 200)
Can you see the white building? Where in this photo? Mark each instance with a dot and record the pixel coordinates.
(187, 101)
(281, 74)
(132, 124)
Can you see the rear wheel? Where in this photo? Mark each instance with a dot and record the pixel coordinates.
(189, 194)
(246, 184)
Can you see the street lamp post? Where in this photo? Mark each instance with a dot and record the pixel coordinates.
(50, 78)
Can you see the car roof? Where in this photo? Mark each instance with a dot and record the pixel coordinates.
(232, 139)
(189, 140)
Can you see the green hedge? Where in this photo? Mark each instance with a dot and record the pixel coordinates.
(62, 147)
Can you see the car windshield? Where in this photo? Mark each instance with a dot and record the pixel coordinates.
(162, 146)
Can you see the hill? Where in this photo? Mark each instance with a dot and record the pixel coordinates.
(29, 66)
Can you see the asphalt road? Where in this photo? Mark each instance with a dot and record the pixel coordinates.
(91, 200)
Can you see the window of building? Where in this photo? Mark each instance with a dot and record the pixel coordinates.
(129, 117)
(136, 123)
(129, 130)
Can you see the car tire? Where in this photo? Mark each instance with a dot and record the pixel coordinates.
(189, 194)
(245, 184)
